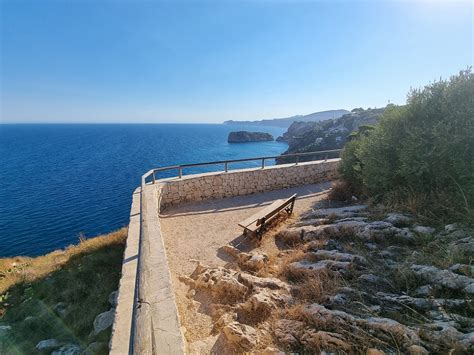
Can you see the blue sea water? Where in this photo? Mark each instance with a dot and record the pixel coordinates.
(57, 181)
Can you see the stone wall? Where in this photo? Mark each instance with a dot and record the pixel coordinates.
(199, 187)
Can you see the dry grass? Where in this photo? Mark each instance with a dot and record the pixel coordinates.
(21, 269)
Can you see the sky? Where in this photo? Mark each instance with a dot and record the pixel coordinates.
(80, 61)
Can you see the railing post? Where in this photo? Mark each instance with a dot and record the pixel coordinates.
(225, 167)
(263, 163)
(154, 178)
(297, 159)
(180, 172)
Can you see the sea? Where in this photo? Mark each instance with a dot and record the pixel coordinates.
(61, 181)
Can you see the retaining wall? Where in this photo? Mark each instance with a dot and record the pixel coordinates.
(199, 187)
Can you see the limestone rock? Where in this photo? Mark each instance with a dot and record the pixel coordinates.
(240, 336)
(398, 219)
(288, 332)
(103, 321)
(221, 282)
(231, 250)
(4, 329)
(444, 278)
(263, 282)
(451, 227)
(324, 265)
(463, 245)
(69, 349)
(417, 350)
(48, 345)
(252, 261)
(337, 256)
(321, 340)
(424, 230)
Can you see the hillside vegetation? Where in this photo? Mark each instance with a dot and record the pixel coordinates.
(303, 137)
(51, 303)
(420, 156)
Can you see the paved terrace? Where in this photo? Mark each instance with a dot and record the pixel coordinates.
(176, 222)
(197, 231)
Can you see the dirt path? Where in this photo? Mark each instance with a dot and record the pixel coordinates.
(197, 232)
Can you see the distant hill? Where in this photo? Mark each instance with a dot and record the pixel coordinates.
(329, 134)
(286, 122)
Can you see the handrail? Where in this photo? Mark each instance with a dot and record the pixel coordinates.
(226, 163)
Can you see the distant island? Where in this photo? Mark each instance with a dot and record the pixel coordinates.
(246, 137)
(286, 122)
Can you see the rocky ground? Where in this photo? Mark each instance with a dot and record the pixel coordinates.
(342, 280)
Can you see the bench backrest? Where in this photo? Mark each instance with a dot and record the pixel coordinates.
(276, 207)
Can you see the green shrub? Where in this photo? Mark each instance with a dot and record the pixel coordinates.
(421, 153)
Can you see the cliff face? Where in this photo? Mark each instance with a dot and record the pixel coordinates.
(244, 137)
(328, 134)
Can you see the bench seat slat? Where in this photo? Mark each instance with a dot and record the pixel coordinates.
(251, 223)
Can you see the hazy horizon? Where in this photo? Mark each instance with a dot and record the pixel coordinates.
(208, 62)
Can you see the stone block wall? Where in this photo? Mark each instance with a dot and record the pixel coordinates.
(199, 187)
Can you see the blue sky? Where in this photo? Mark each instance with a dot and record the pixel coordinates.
(190, 61)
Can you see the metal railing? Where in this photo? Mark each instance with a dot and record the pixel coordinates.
(226, 163)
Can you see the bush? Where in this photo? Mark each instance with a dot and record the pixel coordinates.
(423, 151)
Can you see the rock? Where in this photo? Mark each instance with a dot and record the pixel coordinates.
(263, 282)
(340, 212)
(231, 250)
(373, 280)
(60, 309)
(221, 282)
(103, 321)
(424, 230)
(261, 304)
(443, 333)
(462, 269)
(271, 351)
(96, 347)
(288, 332)
(391, 329)
(312, 222)
(451, 227)
(417, 350)
(324, 265)
(244, 137)
(252, 261)
(377, 230)
(464, 245)
(240, 336)
(322, 340)
(398, 219)
(337, 256)
(223, 320)
(113, 297)
(48, 345)
(384, 328)
(424, 291)
(444, 278)
(69, 349)
(373, 351)
(4, 329)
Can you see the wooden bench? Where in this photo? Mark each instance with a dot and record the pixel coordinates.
(255, 224)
